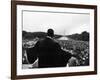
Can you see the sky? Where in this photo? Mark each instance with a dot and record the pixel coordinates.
(62, 23)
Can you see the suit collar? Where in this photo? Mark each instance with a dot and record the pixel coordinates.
(49, 37)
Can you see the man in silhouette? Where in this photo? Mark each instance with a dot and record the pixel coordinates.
(49, 52)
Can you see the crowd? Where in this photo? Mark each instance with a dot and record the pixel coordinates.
(80, 48)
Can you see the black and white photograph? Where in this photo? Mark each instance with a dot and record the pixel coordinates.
(53, 39)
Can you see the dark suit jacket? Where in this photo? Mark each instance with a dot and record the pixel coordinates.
(50, 54)
(31, 55)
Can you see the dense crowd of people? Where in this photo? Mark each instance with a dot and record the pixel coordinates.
(81, 48)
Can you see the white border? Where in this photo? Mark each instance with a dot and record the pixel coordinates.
(21, 71)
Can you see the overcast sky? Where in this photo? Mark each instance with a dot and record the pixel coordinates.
(62, 23)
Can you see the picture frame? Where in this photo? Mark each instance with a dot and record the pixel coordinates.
(19, 20)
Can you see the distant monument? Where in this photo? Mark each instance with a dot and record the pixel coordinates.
(63, 38)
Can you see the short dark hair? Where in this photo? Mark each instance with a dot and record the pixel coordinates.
(50, 32)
